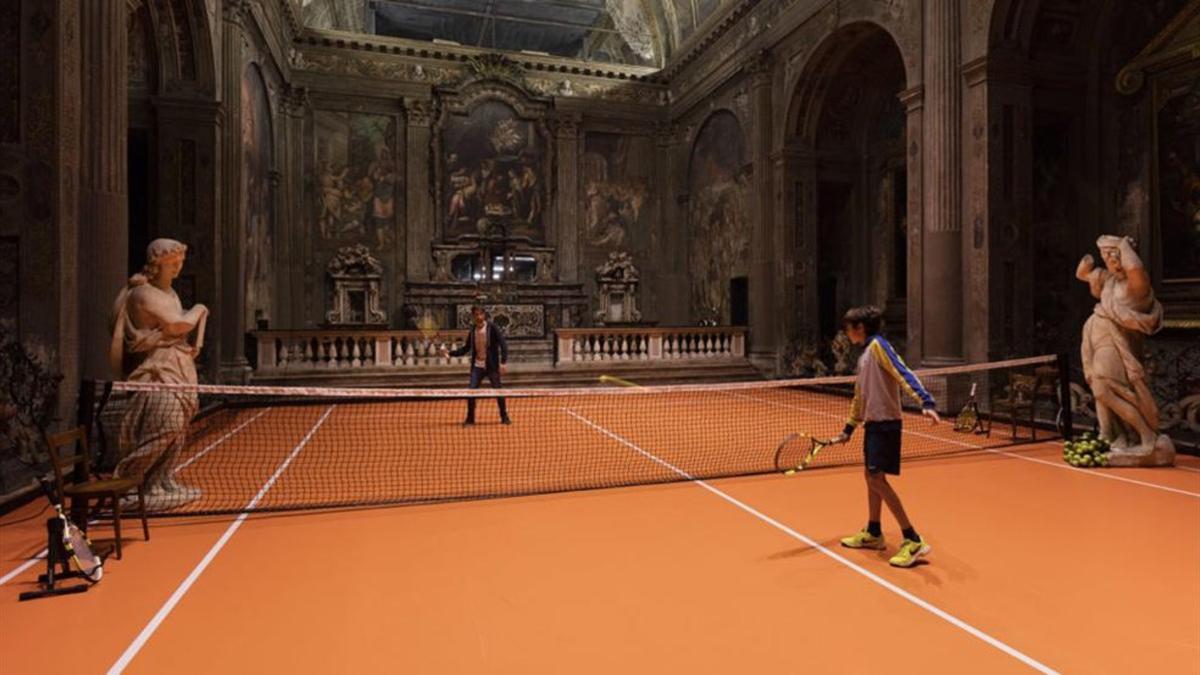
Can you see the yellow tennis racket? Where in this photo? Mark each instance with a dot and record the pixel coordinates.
(796, 451)
(610, 379)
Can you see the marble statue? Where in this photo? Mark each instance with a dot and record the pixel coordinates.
(150, 343)
(1111, 351)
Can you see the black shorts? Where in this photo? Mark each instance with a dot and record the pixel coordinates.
(881, 449)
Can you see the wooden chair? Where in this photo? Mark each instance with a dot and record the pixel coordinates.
(1024, 393)
(77, 484)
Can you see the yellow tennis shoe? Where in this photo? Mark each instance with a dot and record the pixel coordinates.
(864, 539)
(909, 552)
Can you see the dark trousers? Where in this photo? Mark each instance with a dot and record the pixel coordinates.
(477, 375)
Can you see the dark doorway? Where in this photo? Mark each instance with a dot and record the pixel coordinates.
(739, 301)
(139, 197)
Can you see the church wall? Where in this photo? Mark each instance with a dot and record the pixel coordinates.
(353, 194)
(596, 167)
(617, 200)
(39, 184)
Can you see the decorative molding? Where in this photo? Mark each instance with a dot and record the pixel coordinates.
(1164, 51)
(418, 112)
(913, 99)
(759, 64)
(493, 67)
(458, 54)
(517, 321)
(566, 125)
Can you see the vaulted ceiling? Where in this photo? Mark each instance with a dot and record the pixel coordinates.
(636, 32)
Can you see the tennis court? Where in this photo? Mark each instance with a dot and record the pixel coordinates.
(699, 557)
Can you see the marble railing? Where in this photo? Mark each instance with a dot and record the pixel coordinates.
(581, 345)
(317, 350)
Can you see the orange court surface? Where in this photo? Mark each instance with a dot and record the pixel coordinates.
(1035, 566)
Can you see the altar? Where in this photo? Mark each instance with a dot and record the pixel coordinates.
(514, 280)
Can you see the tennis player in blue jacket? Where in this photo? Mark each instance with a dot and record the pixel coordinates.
(882, 375)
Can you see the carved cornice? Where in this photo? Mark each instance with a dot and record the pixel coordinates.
(1173, 45)
(453, 73)
(456, 55)
(701, 45)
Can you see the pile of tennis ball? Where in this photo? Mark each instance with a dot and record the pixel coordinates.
(1085, 451)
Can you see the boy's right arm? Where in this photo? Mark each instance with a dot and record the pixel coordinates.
(855, 417)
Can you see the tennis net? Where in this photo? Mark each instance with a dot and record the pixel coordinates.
(253, 448)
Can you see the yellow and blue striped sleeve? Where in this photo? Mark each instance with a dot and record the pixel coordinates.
(895, 366)
(855, 412)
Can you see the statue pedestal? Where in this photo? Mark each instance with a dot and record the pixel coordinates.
(1162, 454)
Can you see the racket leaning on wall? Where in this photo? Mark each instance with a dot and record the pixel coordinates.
(796, 451)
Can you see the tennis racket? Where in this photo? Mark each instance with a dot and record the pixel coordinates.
(796, 451)
(968, 417)
(75, 542)
(610, 379)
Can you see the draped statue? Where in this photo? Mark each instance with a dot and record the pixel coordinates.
(1111, 351)
(150, 343)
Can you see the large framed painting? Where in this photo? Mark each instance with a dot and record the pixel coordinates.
(1179, 176)
(493, 165)
(718, 224)
(354, 180)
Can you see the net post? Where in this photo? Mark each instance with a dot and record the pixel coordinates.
(1066, 424)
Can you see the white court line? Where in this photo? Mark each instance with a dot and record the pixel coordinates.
(1056, 465)
(219, 441)
(940, 613)
(24, 566)
(140, 640)
(34, 560)
(1187, 468)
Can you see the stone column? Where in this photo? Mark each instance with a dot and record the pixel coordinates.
(997, 164)
(103, 208)
(668, 236)
(292, 222)
(234, 365)
(419, 206)
(764, 284)
(796, 236)
(566, 136)
(942, 282)
(914, 106)
(41, 144)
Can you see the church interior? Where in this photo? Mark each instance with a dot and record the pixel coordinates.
(665, 191)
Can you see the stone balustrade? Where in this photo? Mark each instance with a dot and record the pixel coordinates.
(651, 344)
(333, 350)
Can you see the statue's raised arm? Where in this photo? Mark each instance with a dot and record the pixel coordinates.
(1111, 351)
